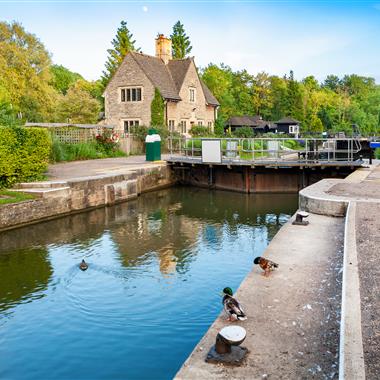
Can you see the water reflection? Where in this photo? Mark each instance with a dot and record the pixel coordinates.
(24, 275)
(150, 261)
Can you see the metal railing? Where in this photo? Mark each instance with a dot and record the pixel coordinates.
(270, 150)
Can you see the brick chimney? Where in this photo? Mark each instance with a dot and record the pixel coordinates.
(164, 48)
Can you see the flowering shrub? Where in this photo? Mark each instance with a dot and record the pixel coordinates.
(108, 140)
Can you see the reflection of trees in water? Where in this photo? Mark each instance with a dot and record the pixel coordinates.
(156, 233)
(165, 225)
(24, 274)
(81, 228)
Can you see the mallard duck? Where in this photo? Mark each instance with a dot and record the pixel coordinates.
(266, 265)
(232, 306)
(83, 265)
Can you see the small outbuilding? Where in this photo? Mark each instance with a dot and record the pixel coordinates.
(288, 125)
(255, 122)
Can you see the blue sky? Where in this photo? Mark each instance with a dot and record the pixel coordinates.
(310, 37)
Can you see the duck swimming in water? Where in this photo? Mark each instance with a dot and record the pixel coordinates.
(83, 265)
(232, 306)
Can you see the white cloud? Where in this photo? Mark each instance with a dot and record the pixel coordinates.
(145, 8)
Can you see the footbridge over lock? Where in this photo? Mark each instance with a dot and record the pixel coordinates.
(254, 165)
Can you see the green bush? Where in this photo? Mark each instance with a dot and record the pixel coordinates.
(139, 132)
(24, 154)
(198, 130)
(194, 143)
(377, 153)
(82, 151)
(243, 132)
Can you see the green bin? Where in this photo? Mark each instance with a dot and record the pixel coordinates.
(157, 148)
(153, 146)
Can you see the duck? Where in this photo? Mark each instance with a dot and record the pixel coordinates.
(266, 265)
(232, 306)
(83, 265)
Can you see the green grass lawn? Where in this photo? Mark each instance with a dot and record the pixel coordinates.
(7, 196)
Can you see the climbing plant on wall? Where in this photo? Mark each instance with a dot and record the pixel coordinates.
(157, 110)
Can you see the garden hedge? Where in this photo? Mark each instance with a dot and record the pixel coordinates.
(24, 154)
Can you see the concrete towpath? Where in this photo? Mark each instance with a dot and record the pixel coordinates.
(293, 323)
(87, 168)
(368, 250)
(294, 329)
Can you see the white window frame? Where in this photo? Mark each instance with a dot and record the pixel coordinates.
(183, 126)
(171, 125)
(293, 129)
(192, 95)
(200, 123)
(129, 120)
(121, 89)
(209, 124)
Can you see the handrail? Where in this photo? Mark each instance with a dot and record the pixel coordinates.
(266, 149)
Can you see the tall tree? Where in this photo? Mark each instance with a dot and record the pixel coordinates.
(181, 45)
(63, 78)
(25, 73)
(77, 106)
(294, 94)
(332, 82)
(122, 44)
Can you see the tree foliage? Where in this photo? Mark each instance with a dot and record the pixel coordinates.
(333, 105)
(77, 106)
(32, 89)
(157, 109)
(181, 45)
(121, 45)
(25, 73)
(63, 78)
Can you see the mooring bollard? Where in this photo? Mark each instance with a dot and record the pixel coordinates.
(299, 221)
(226, 349)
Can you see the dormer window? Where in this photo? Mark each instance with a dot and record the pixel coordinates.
(131, 94)
(192, 95)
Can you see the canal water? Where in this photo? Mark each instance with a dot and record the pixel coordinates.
(157, 266)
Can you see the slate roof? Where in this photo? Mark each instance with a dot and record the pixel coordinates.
(287, 120)
(249, 121)
(156, 70)
(178, 69)
(169, 78)
(210, 98)
(241, 120)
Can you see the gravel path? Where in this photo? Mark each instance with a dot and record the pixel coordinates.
(368, 247)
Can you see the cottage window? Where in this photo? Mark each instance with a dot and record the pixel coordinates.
(171, 125)
(192, 94)
(129, 124)
(182, 124)
(131, 94)
(200, 123)
(209, 124)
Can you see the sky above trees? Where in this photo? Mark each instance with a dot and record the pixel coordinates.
(311, 38)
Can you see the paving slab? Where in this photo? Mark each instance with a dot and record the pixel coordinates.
(293, 316)
(88, 168)
(368, 250)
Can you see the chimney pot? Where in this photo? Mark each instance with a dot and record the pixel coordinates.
(164, 48)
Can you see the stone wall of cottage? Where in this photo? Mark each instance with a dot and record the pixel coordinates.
(185, 110)
(129, 74)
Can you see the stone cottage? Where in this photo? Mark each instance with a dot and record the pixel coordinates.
(129, 93)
